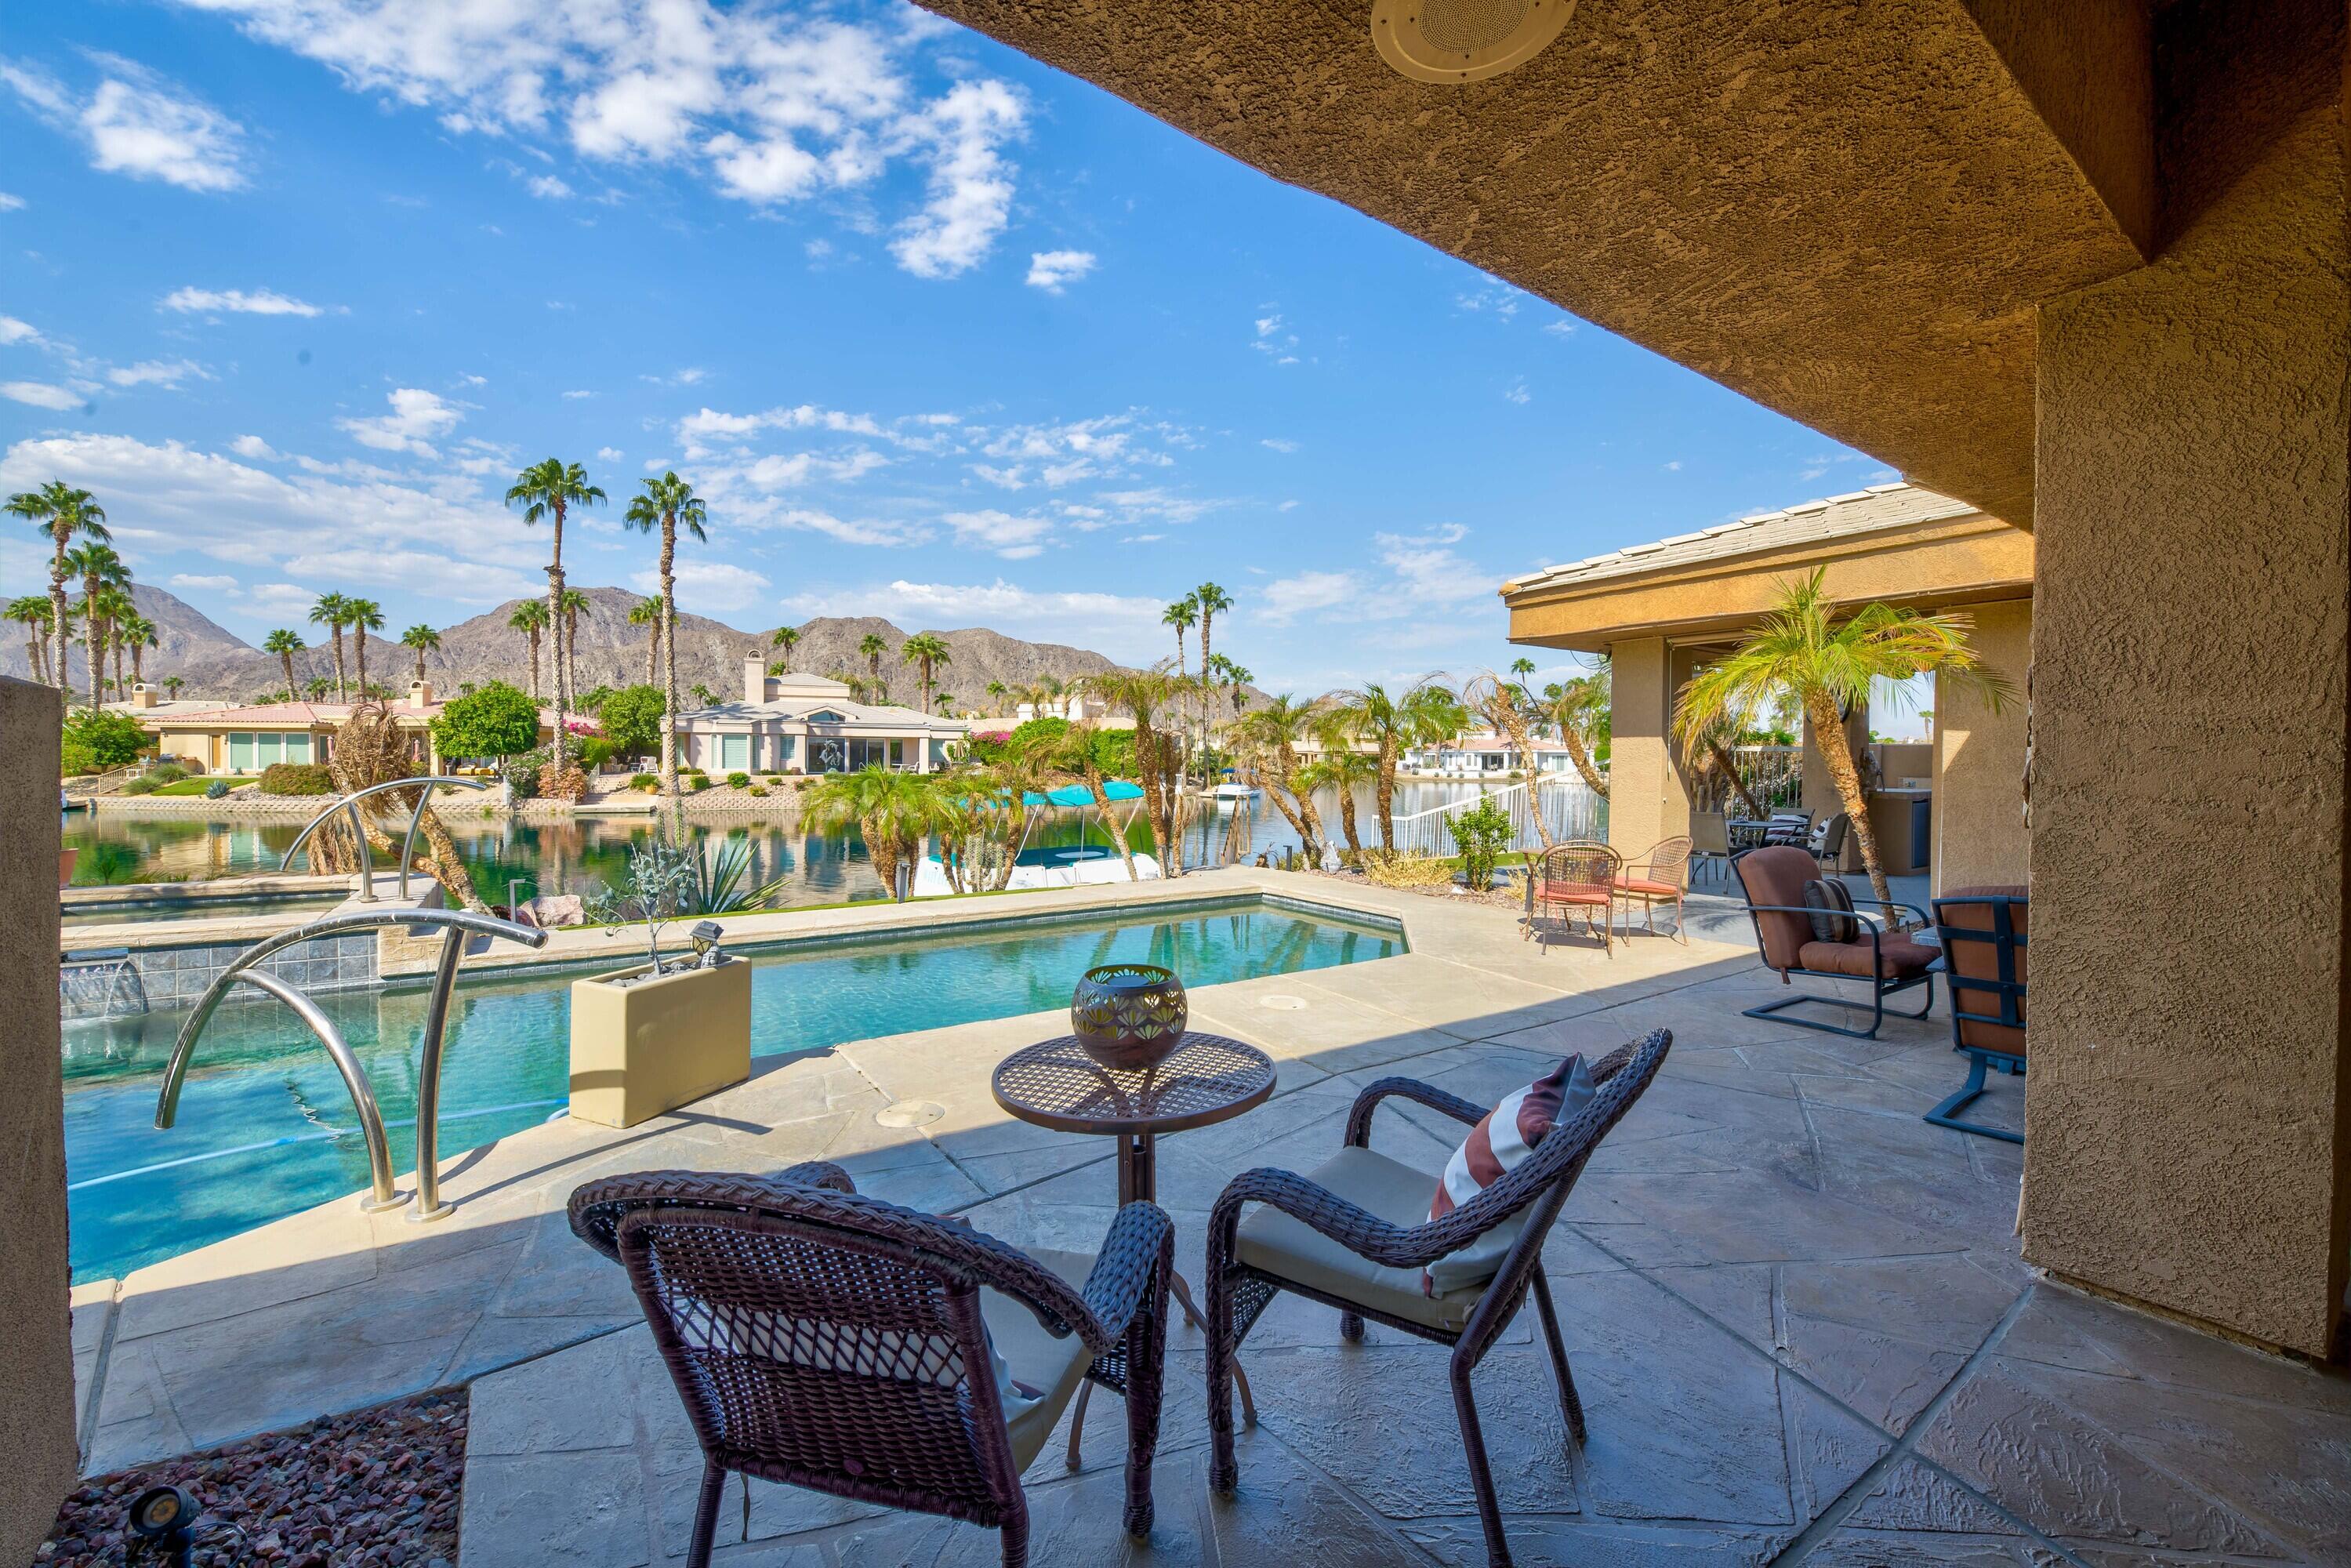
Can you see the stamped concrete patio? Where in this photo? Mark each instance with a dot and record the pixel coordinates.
(1796, 1311)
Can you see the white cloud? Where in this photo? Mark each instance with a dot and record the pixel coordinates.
(849, 531)
(253, 446)
(259, 302)
(574, 396)
(1280, 443)
(1014, 538)
(1288, 597)
(416, 416)
(610, 453)
(11, 203)
(15, 331)
(40, 394)
(1123, 626)
(1430, 571)
(1564, 326)
(158, 372)
(1675, 466)
(1517, 392)
(135, 123)
(547, 187)
(1051, 269)
(771, 103)
(709, 586)
(220, 583)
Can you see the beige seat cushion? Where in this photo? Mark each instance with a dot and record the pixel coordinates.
(1054, 1366)
(1290, 1248)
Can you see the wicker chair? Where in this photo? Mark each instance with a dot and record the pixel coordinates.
(1656, 877)
(832, 1341)
(1572, 877)
(1987, 936)
(1354, 1234)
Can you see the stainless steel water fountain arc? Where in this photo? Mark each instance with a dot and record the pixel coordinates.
(457, 924)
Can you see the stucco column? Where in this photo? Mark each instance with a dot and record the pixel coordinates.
(37, 1397)
(1646, 798)
(1978, 809)
(2186, 1112)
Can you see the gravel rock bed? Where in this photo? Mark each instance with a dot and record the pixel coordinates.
(369, 1489)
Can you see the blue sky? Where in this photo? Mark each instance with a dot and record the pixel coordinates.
(295, 286)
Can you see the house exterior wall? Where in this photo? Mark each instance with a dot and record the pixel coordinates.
(1978, 814)
(1646, 798)
(2187, 1140)
(37, 1381)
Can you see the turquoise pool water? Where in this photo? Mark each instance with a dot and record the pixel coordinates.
(265, 1129)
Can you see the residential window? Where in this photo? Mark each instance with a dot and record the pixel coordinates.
(297, 748)
(734, 752)
(240, 753)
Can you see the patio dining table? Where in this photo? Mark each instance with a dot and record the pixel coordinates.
(1205, 1080)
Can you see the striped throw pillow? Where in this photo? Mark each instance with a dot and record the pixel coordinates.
(1496, 1146)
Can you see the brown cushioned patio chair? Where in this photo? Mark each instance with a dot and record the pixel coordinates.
(1569, 879)
(1986, 934)
(828, 1340)
(1773, 879)
(1354, 1234)
(1656, 878)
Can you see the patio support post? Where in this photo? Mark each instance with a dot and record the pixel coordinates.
(1647, 799)
(2188, 1128)
(1977, 816)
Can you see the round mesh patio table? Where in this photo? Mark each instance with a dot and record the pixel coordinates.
(1206, 1079)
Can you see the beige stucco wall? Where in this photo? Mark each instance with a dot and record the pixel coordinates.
(2186, 1110)
(1979, 815)
(37, 1413)
(1646, 798)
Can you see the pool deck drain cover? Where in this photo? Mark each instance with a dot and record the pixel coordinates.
(910, 1114)
(1288, 1004)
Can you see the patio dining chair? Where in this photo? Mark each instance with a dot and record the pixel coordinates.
(1986, 934)
(1789, 931)
(828, 1340)
(1789, 828)
(1572, 878)
(1656, 877)
(1354, 1234)
(1710, 845)
(1828, 842)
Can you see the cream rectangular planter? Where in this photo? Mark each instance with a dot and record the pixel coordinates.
(639, 1050)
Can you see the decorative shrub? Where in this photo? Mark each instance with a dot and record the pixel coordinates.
(738, 780)
(775, 779)
(296, 779)
(1384, 869)
(145, 784)
(167, 773)
(595, 751)
(648, 782)
(1480, 832)
(701, 781)
(631, 716)
(760, 791)
(96, 739)
(216, 790)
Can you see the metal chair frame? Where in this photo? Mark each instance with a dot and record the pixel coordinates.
(1238, 1293)
(1880, 987)
(2008, 993)
(1538, 876)
(1677, 864)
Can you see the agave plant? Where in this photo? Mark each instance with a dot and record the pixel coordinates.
(721, 884)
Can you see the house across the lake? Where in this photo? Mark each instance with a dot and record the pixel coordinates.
(800, 723)
(247, 739)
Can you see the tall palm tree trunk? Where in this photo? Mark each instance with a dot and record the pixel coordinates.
(1347, 818)
(58, 608)
(1828, 732)
(652, 652)
(1102, 800)
(1516, 726)
(668, 629)
(1384, 792)
(359, 652)
(117, 642)
(343, 691)
(1306, 837)
(93, 641)
(287, 661)
(1722, 759)
(1582, 758)
(554, 628)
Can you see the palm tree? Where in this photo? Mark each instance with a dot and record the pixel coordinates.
(648, 613)
(891, 812)
(1828, 665)
(1232, 677)
(669, 503)
(1423, 715)
(529, 618)
(423, 639)
(364, 616)
(702, 693)
(331, 612)
(1210, 600)
(871, 647)
(1343, 769)
(566, 653)
(99, 569)
(997, 692)
(927, 650)
(1504, 704)
(285, 643)
(318, 686)
(33, 612)
(172, 685)
(1074, 754)
(63, 513)
(137, 633)
(1578, 705)
(1273, 732)
(1183, 616)
(1159, 756)
(549, 489)
(786, 638)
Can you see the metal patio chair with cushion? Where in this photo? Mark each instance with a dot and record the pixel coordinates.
(1572, 878)
(1655, 878)
(1828, 842)
(1354, 1234)
(1709, 844)
(1789, 828)
(1826, 938)
(1986, 932)
(832, 1341)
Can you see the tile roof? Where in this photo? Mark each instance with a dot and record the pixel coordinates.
(1808, 522)
(801, 708)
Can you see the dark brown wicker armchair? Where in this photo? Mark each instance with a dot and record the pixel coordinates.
(1354, 1234)
(833, 1341)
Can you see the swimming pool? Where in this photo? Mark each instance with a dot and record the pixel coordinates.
(266, 1128)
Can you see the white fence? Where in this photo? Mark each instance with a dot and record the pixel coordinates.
(1570, 810)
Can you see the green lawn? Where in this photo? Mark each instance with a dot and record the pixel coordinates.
(194, 787)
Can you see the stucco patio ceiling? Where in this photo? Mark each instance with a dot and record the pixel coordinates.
(1845, 211)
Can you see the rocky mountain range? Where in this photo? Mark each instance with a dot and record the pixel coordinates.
(215, 663)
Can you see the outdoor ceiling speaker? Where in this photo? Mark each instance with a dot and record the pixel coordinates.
(1464, 40)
